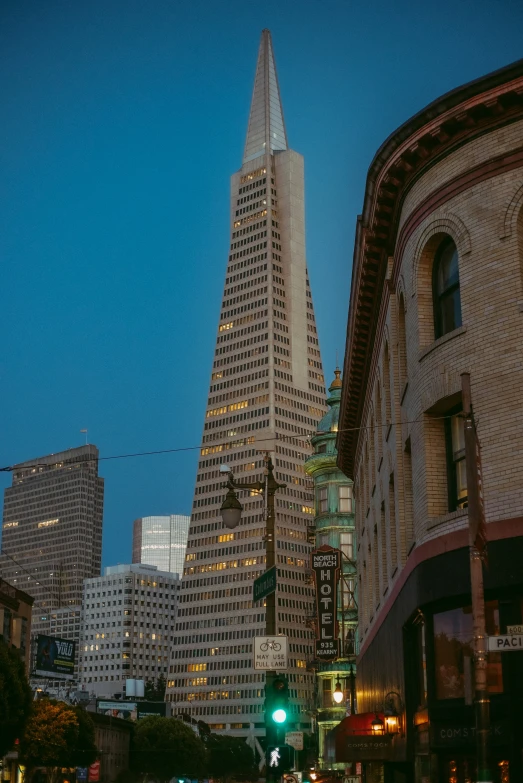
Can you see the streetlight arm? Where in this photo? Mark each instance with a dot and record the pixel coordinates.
(258, 485)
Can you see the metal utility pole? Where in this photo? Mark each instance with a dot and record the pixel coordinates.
(477, 545)
(269, 487)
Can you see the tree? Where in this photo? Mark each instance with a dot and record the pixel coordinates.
(85, 751)
(16, 697)
(166, 748)
(57, 736)
(230, 757)
(155, 691)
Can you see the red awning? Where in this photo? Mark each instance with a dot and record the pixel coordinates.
(353, 739)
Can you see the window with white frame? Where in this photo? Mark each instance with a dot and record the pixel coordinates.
(345, 499)
(323, 499)
(347, 545)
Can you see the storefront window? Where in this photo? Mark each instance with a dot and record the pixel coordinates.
(453, 652)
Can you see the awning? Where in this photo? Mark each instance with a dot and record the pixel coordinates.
(353, 740)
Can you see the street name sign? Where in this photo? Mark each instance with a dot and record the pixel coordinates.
(505, 643)
(264, 585)
(514, 630)
(294, 739)
(270, 653)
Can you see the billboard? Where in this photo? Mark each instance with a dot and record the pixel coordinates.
(131, 709)
(325, 563)
(54, 658)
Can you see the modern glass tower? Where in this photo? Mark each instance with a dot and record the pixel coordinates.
(161, 541)
(266, 393)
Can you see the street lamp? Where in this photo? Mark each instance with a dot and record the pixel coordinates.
(377, 725)
(393, 710)
(231, 509)
(338, 693)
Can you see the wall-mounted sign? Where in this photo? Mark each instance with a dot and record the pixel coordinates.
(294, 739)
(505, 643)
(325, 563)
(270, 653)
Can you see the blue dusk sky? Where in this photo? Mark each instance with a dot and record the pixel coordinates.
(122, 121)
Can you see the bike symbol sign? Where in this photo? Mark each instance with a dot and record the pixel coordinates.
(270, 653)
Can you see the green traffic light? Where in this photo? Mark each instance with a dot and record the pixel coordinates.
(279, 716)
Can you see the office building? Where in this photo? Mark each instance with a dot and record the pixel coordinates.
(266, 393)
(128, 627)
(161, 541)
(436, 296)
(52, 532)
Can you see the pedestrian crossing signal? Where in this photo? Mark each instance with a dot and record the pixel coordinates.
(280, 759)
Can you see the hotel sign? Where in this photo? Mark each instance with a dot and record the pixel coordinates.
(325, 563)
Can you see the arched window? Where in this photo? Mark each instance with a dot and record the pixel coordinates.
(445, 289)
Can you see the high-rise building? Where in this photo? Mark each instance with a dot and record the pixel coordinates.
(161, 541)
(129, 615)
(52, 533)
(266, 393)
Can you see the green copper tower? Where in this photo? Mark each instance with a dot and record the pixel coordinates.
(334, 526)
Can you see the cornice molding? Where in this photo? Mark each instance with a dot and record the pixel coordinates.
(440, 129)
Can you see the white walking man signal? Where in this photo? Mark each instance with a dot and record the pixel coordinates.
(275, 757)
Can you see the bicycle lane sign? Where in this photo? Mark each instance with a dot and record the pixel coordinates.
(270, 653)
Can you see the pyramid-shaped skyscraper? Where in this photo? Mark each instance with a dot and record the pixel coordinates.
(266, 392)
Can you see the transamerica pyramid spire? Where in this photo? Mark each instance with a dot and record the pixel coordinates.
(266, 131)
(266, 394)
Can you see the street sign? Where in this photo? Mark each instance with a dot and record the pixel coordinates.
(505, 643)
(270, 653)
(294, 739)
(514, 630)
(264, 585)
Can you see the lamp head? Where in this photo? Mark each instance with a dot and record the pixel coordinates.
(231, 509)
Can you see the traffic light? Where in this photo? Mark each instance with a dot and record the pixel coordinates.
(279, 759)
(277, 699)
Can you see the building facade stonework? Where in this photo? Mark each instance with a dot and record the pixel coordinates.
(266, 393)
(437, 292)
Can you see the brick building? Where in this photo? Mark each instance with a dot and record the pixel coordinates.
(437, 291)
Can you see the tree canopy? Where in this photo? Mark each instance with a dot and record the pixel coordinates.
(165, 748)
(230, 757)
(56, 736)
(16, 697)
(155, 690)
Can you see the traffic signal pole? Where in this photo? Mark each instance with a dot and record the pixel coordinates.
(271, 486)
